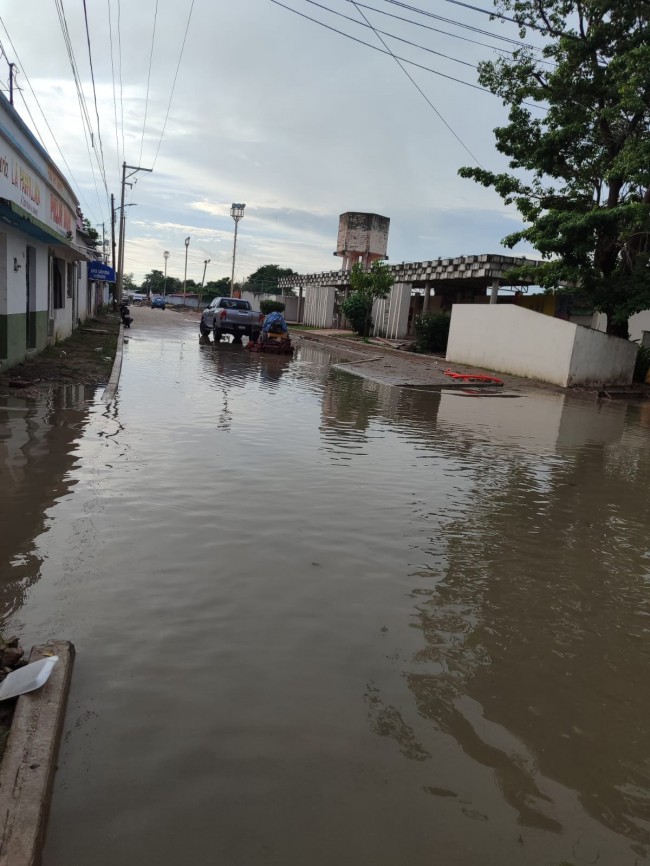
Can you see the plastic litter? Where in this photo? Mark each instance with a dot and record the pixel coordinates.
(27, 679)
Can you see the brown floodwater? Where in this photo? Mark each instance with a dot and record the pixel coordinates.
(322, 621)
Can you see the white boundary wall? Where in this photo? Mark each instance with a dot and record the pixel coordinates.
(510, 339)
(391, 316)
(319, 306)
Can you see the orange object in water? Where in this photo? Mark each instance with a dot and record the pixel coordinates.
(473, 377)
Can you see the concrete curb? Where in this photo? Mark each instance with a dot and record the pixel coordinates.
(111, 389)
(29, 763)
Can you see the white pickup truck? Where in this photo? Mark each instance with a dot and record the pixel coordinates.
(231, 316)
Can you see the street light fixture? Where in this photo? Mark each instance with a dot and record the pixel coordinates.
(187, 244)
(237, 213)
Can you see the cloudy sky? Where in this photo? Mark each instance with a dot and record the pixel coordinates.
(273, 110)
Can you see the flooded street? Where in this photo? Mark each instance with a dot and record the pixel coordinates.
(322, 621)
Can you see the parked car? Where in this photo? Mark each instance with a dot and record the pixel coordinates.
(158, 303)
(231, 316)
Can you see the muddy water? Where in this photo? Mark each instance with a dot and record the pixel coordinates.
(322, 621)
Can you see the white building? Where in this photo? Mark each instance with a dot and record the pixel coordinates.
(44, 288)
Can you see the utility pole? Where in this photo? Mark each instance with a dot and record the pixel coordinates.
(12, 66)
(113, 228)
(104, 242)
(133, 169)
(237, 213)
(187, 245)
(205, 267)
(166, 255)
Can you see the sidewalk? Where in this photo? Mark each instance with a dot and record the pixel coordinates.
(389, 366)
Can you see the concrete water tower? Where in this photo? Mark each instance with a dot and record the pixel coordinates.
(362, 237)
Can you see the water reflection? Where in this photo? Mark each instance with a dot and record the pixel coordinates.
(531, 598)
(323, 620)
(36, 455)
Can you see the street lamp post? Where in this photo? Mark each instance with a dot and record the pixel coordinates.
(237, 213)
(166, 255)
(187, 244)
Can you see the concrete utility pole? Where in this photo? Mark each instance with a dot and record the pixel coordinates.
(113, 227)
(187, 246)
(205, 267)
(237, 213)
(12, 67)
(166, 255)
(133, 169)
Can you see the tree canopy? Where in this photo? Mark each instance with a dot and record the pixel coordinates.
(265, 279)
(581, 161)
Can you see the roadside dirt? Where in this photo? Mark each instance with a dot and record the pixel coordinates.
(85, 358)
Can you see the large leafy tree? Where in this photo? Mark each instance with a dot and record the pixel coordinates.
(265, 279)
(581, 162)
(218, 288)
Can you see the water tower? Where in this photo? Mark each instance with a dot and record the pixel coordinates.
(362, 237)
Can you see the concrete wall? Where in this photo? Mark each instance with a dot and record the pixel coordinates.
(510, 339)
(13, 296)
(598, 358)
(319, 307)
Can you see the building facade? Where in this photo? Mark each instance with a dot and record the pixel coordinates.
(44, 289)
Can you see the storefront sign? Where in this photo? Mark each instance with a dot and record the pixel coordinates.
(100, 271)
(38, 194)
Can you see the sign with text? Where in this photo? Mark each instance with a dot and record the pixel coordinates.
(34, 192)
(100, 271)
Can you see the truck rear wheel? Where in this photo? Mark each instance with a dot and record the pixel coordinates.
(203, 328)
(217, 335)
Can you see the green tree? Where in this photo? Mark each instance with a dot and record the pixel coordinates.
(581, 163)
(265, 279)
(218, 288)
(129, 284)
(154, 282)
(91, 234)
(368, 286)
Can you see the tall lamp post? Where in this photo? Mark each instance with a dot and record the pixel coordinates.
(187, 244)
(237, 213)
(166, 255)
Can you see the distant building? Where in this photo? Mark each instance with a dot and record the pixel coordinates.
(44, 254)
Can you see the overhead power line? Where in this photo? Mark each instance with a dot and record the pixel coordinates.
(397, 56)
(419, 89)
(382, 50)
(83, 108)
(498, 15)
(110, 36)
(119, 50)
(146, 102)
(433, 15)
(92, 78)
(453, 35)
(49, 128)
(171, 95)
(376, 31)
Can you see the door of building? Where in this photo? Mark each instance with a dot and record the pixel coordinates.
(30, 298)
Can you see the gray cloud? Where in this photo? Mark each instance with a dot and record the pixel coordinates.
(272, 110)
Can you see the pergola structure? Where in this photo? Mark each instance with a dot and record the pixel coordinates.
(455, 280)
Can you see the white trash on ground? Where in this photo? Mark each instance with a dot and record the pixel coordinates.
(27, 679)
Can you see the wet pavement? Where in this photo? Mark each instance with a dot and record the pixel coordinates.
(321, 620)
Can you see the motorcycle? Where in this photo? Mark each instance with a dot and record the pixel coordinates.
(125, 315)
